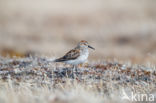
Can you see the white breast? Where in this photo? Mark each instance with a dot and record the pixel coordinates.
(81, 59)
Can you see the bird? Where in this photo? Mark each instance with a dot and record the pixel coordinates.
(76, 56)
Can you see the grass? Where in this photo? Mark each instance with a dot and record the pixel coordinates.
(39, 80)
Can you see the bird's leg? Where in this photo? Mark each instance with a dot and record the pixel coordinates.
(73, 71)
(76, 69)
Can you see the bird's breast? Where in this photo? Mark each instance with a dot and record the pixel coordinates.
(83, 56)
(81, 59)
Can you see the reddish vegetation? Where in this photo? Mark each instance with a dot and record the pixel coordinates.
(41, 71)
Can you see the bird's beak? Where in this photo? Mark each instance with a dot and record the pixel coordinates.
(91, 47)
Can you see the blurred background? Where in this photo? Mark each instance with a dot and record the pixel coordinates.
(121, 29)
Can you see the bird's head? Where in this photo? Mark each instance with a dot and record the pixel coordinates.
(85, 44)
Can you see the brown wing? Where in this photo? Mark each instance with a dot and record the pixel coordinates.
(73, 54)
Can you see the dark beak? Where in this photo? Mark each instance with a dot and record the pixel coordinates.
(91, 47)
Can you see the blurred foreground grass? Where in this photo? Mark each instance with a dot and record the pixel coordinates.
(39, 80)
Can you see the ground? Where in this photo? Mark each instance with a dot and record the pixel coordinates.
(38, 80)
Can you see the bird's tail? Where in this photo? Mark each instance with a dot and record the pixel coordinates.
(59, 60)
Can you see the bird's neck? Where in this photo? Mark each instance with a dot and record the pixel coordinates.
(84, 50)
(81, 48)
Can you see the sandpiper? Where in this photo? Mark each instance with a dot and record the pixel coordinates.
(76, 56)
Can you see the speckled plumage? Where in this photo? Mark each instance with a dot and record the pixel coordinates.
(77, 55)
